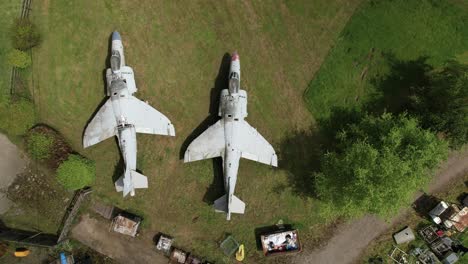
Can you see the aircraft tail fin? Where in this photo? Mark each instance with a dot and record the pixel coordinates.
(130, 181)
(236, 206)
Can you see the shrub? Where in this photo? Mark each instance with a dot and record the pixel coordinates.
(25, 34)
(76, 172)
(40, 145)
(18, 58)
(16, 117)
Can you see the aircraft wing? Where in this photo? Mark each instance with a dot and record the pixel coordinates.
(254, 147)
(209, 144)
(101, 127)
(146, 119)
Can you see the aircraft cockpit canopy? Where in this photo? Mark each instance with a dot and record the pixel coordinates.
(115, 61)
(234, 82)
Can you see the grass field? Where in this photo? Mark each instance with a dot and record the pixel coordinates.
(176, 52)
(10, 11)
(381, 31)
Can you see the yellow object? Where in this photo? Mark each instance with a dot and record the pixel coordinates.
(240, 253)
(22, 252)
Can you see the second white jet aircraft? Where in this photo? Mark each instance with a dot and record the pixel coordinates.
(123, 115)
(231, 138)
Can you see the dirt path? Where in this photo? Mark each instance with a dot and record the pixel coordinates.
(352, 238)
(123, 249)
(12, 162)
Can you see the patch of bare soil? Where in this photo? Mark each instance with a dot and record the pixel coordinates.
(124, 249)
(39, 200)
(32, 188)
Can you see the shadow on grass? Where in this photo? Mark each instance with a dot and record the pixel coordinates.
(104, 84)
(300, 154)
(394, 90)
(216, 189)
(301, 151)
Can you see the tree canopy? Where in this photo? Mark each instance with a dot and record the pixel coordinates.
(18, 58)
(24, 34)
(380, 163)
(76, 172)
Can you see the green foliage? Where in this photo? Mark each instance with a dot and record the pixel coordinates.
(381, 162)
(17, 116)
(10, 10)
(442, 103)
(25, 34)
(18, 58)
(380, 27)
(76, 172)
(40, 145)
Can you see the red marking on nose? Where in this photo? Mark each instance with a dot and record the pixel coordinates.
(235, 56)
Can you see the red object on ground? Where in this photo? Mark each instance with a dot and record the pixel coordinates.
(440, 233)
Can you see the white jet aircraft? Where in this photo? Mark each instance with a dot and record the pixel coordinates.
(123, 115)
(231, 138)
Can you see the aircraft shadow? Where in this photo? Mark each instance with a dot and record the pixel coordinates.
(104, 85)
(216, 189)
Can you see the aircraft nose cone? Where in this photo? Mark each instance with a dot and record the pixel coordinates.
(235, 56)
(116, 36)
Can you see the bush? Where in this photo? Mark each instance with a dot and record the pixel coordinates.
(18, 58)
(76, 172)
(40, 145)
(25, 34)
(16, 117)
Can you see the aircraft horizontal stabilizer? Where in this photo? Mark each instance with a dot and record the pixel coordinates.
(220, 204)
(236, 206)
(132, 181)
(140, 181)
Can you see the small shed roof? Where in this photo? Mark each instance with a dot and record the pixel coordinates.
(125, 225)
(404, 236)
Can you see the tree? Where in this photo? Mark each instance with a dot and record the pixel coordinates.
(442, 104)
(18, 58)
(76, 172)
(25, 34)
(381, 162)
(40, 145)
